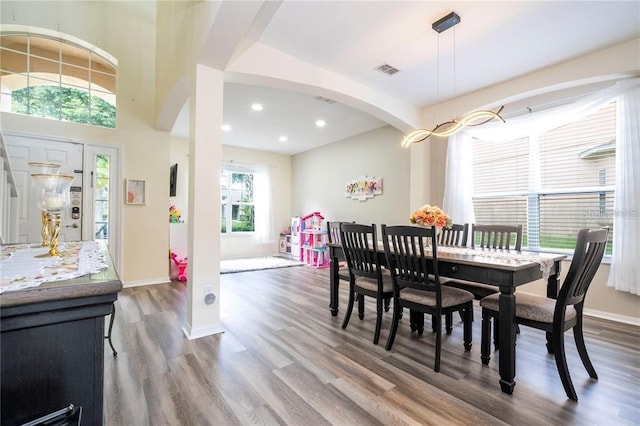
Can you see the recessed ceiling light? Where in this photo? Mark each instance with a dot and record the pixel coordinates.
(320, 123)
(226, 127)
(256, 107)
(282, 138)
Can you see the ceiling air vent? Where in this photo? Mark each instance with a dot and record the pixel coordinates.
(327, 100)
(387, 69)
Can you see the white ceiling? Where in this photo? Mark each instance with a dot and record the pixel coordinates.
(494, 42)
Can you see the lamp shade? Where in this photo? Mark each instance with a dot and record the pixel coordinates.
(44, 168)
(52, 191)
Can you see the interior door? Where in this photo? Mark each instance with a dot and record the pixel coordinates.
(23, 149)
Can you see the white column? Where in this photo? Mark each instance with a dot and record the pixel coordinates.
(205, 158)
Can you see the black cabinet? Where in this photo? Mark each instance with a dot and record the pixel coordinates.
(52, 347)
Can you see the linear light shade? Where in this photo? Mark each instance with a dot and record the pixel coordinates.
(475, 118)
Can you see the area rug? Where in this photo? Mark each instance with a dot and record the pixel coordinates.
(256, 264)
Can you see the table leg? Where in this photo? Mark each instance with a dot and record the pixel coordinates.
(552, 292)
(333, 282)
(108, 336)
(507, 339)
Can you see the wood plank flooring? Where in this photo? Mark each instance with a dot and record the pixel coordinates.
(284, 360)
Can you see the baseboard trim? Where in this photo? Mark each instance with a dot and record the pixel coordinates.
(196, 333)
(612, 317)
(152, 281)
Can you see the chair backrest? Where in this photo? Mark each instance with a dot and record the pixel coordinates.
(497, 236)
(407, 249)
(456, 235)
(590, 247)
(333, 232)
(359, 247)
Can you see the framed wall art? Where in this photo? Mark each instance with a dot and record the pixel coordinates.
(363, 188)
(136, 191)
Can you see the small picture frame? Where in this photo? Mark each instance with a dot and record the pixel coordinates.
(136, 192)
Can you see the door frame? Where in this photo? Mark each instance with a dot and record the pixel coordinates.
(115, 198)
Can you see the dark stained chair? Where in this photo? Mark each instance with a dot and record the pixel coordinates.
(367, 277)
(416, 282)
(556, 316)
(499, 237)
(456, 235)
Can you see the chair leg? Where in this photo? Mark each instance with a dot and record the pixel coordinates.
(345, 322)
(361, 306)
(416, 319)
(448, 320)
(379, 307)
(582, 349)
(433, 323)
(394, 326)
(485, 340)
(561, 364)
(436, 366)
(467, 327)
(387, 303)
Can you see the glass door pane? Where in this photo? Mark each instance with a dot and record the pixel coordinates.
(101, 184)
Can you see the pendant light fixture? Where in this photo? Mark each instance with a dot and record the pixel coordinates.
(448, 128)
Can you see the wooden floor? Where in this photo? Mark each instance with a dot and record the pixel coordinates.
(283, 359)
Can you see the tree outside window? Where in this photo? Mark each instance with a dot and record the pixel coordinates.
(238, 209)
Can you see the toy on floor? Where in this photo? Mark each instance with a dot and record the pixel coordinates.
(182, 266)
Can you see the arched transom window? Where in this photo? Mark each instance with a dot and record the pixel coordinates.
(51, 77)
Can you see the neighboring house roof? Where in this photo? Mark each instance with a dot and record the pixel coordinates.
(606, 148)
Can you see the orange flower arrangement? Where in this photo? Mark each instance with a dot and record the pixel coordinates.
(430, 216)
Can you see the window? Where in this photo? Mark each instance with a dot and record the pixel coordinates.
(53, 78)
(238, 207)
(553, 184)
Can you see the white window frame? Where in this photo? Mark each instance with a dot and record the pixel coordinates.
(535, 193)
(228, 204)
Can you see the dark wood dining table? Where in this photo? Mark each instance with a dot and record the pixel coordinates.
(480, 266)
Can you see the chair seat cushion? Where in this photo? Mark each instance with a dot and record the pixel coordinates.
(372, 283)
(450, 296)
(530, 306)
(479, 290)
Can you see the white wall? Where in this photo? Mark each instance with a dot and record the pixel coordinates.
(319, 178)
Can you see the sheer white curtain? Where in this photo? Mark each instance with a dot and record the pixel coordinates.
(624, 274)
(458, 184)
(263, 204)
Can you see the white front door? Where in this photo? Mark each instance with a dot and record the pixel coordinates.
(23, 149)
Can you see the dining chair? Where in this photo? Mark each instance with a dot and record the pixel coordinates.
(367, 277)
(556, 316)
(499, 237)
(412, 256)
(456, 235)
